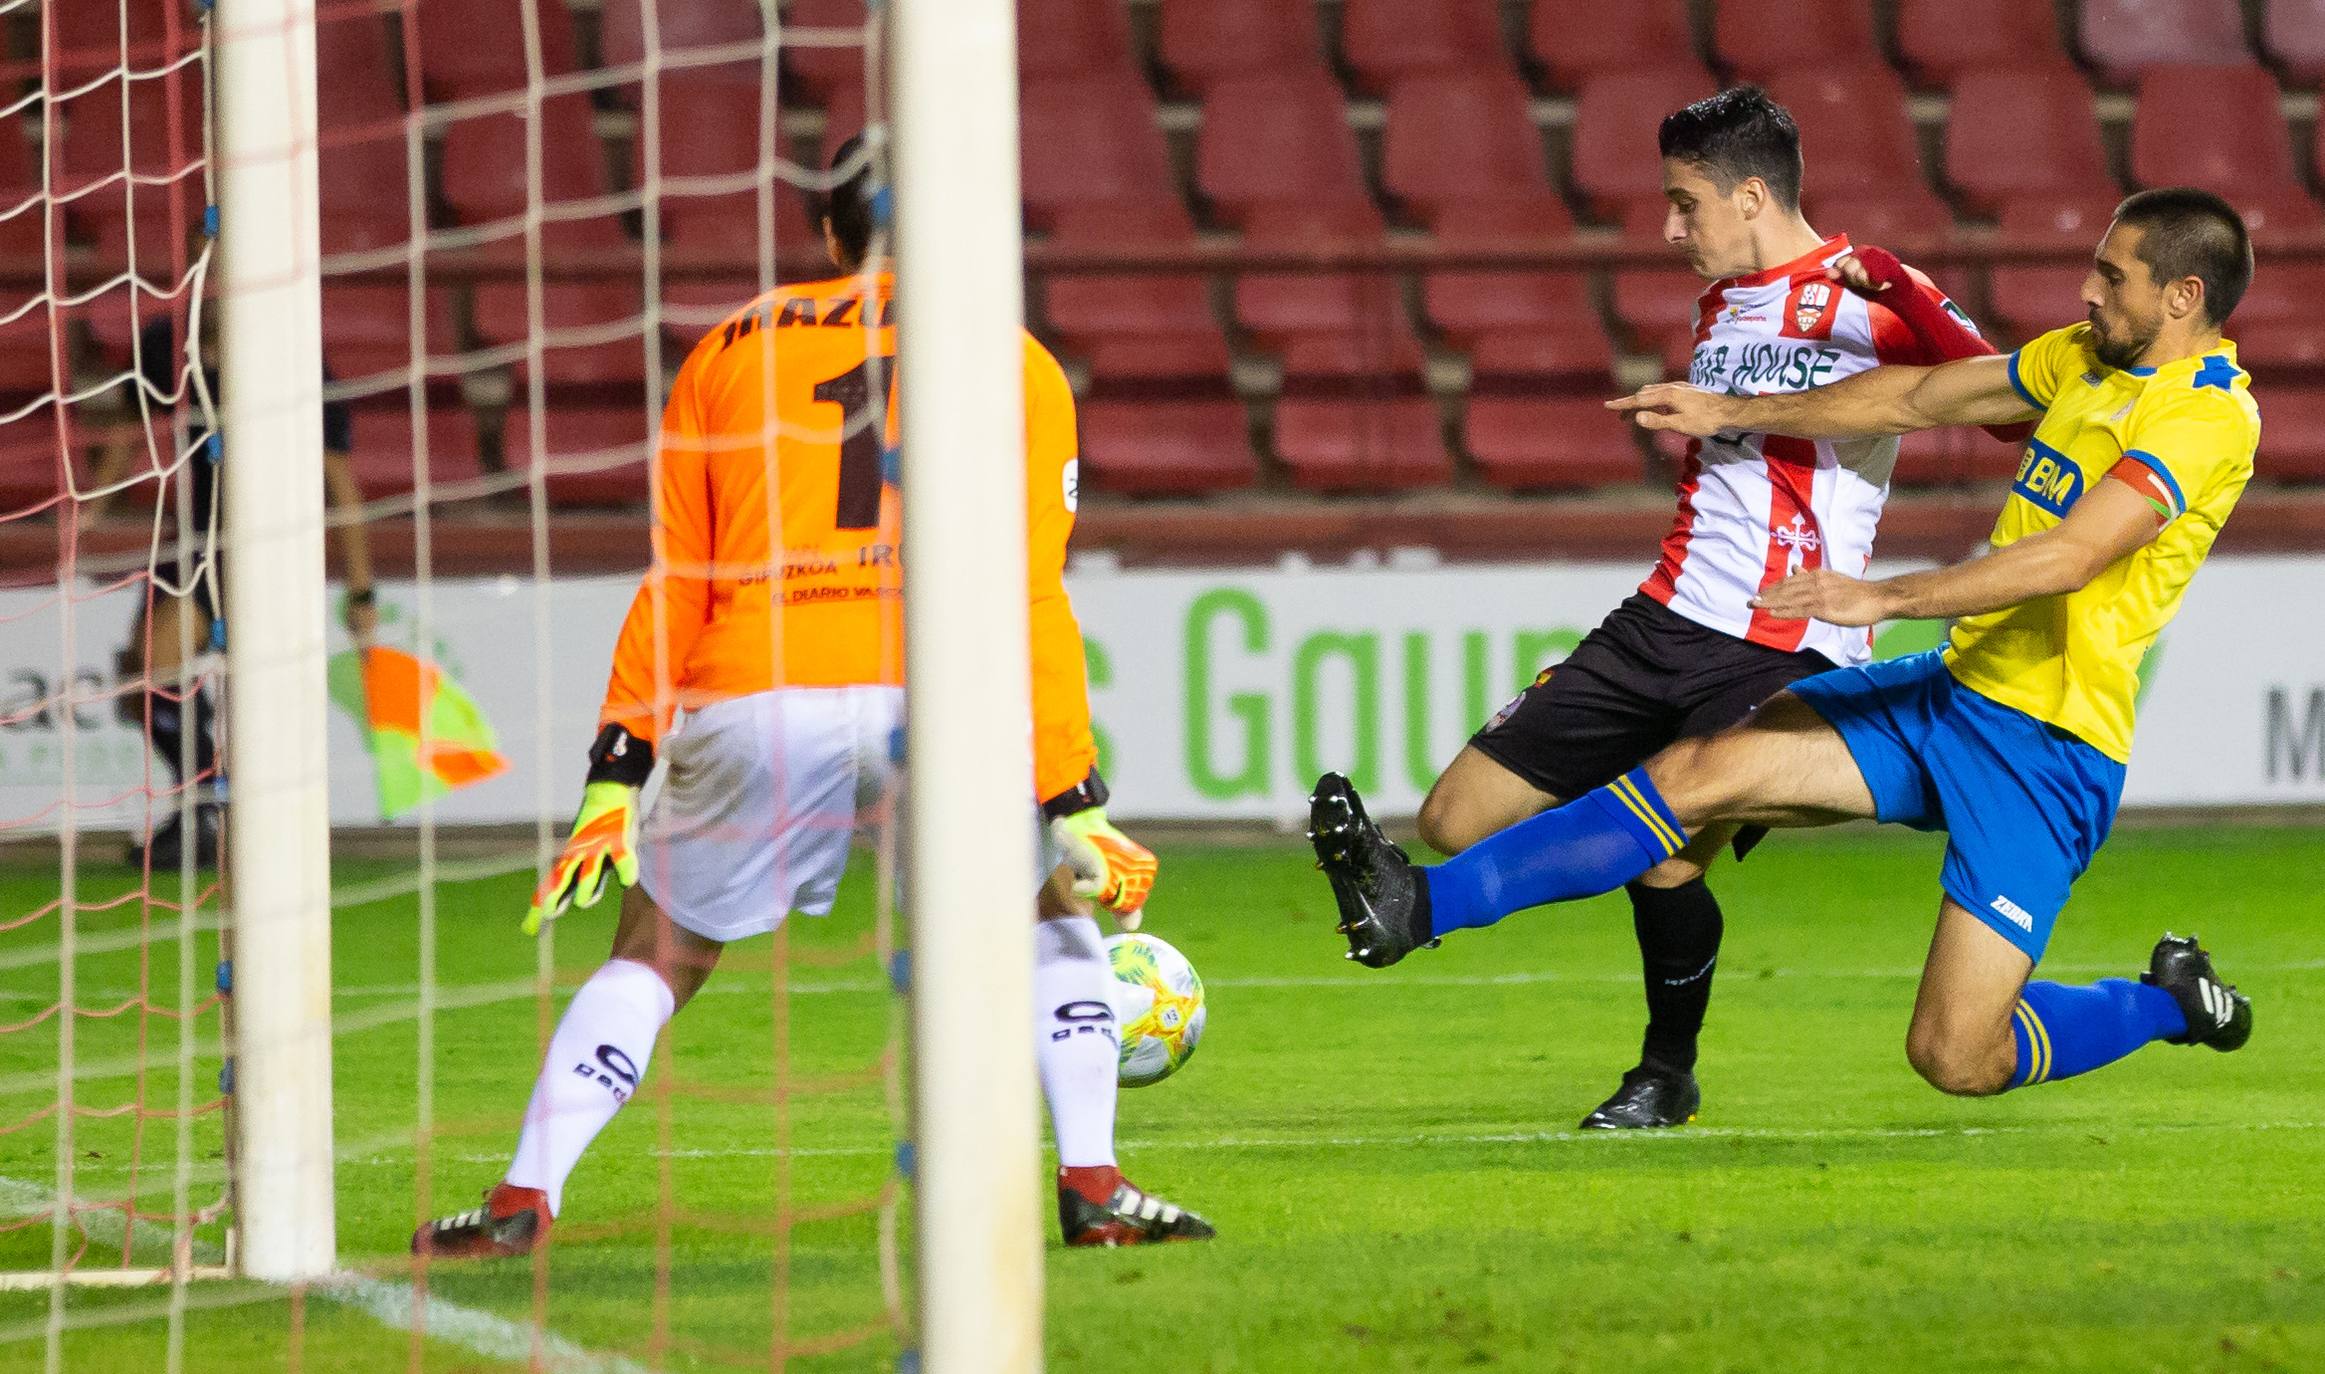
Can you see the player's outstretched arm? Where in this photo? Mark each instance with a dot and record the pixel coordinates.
(2113, 519)
(1881, 400)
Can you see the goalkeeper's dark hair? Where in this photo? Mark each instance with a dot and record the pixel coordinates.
(1737, 134)
(2190, 233)
(853, 205)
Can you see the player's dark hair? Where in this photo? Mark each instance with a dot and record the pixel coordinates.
(1736, 134)
(2192, 233)
(852, 206)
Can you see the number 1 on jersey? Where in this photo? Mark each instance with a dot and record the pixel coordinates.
(861, 444)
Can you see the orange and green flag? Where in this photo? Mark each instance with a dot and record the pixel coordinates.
(392, 695)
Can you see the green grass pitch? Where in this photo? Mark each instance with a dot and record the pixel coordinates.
(1388, 1156)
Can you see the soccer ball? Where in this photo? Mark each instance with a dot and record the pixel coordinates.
(1158, 1008)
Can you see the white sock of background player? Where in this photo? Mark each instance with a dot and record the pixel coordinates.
(600, 1051)
(1075, 1042)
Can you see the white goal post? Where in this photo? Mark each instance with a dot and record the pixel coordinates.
(960, 294)
(278, 842)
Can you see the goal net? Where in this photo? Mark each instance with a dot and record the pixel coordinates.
(518, 217)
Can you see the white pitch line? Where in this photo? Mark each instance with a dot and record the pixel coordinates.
(1773, 1135)
(389, 1304)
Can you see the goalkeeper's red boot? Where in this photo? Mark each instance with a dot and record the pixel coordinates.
(1125, 1216)
(513, 1221)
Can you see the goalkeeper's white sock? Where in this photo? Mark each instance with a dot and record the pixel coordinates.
(597, 1056)
(1074, 1038)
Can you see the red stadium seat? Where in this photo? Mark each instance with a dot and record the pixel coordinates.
(367, 329)
(1530, 442)
(1064, 37)
(484, 178)
(1615, 161)
(1362, 442)
(820, 69)
(2275, 326)
(1656, 306)
(1137, 325)
(2024, 130)
(594, 329)
(1277, 141)
(25, 364)
(1953, 457)
(1090, 140)
(1461, 137)
(351, 62)
(1385, 41)
(1760, 40)
(1167, 447)
(2292, 32)
(477, 47)
(1906, 224)
(1204, 42)
(2292, 435)
(1515, 324)
(1575, 40)
(712, 131)
(1942, 41)
(2123, 38)
(1855, 135)
(692, 26)
(386, 457)
(2024, 300)
(89, 38)
(1279, 305)
(2279, 215)
(362, 155)
(2216, 127)
(598, 455)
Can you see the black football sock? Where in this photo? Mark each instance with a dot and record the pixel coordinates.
(205, 718)
(1679, 943)
(165, 726)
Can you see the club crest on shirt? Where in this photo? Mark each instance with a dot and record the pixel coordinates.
(1809, 314)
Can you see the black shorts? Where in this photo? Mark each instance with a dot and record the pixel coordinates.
(1645, 677)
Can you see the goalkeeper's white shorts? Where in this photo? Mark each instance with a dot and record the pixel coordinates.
(761, 796)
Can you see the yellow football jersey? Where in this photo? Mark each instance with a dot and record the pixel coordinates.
(2184, 435)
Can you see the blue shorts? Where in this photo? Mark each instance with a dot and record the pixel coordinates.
(2024, 804)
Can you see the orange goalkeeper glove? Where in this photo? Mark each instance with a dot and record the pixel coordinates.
(604, 842)
(603, 846)
(1110, 868)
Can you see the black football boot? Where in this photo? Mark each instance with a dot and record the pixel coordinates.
(1649, 1098)
(2218, 1015)
(1384, 905)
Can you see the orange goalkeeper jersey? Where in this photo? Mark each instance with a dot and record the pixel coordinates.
(793, 391)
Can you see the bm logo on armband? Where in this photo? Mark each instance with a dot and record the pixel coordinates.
(2048, 478)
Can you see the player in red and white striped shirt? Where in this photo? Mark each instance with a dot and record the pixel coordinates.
(1787, 309)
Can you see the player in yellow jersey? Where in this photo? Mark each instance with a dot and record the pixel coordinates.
(770, 675)
(2013, 738)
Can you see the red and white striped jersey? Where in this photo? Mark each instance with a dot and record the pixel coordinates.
(1755, 508)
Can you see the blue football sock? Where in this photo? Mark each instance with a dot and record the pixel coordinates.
(1593, 844)
(2062, 1031)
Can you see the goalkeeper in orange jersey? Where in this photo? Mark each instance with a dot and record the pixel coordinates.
(786, 661)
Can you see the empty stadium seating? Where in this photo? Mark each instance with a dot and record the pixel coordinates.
(2123, 38)
(1254, 122)
(1459, 137)
(2211, 126)
(597, 454)
(1269, 141)
(1385, 41)
(1759, 40)
(1943, 41)
(1575, 40)
(1615, 118)
(2293, 34)
(386, 459)
(2019, 131)
(1203, 42)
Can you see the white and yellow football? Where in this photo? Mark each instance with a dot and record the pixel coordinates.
(1158, 1007)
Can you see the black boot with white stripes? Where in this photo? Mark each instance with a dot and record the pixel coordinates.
(1126, 1217)
(2218, 1015)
